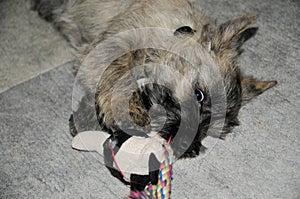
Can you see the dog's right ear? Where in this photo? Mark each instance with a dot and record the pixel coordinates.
(233, 28)
(233, 33)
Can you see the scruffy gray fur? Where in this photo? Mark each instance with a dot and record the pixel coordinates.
(154, 66)
(87, 23)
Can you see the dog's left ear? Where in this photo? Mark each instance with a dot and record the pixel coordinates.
(235, 26)
(252, 87)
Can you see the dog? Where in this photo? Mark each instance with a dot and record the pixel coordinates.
(194, 97)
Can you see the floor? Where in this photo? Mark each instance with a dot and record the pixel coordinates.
(261, 159)
(29, 45)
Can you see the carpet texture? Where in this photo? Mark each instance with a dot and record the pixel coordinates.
(261, 159)
(28, 45)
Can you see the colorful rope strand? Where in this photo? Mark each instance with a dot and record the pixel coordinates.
(163, 188)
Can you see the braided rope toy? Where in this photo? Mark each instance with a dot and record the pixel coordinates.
(163, 188)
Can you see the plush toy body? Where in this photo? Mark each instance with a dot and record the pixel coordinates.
(144, 162)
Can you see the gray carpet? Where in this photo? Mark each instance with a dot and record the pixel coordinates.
(28, 45)
(261, 159)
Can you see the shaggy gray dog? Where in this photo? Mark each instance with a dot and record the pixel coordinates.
(155, 40)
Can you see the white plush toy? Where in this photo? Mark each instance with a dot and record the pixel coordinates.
(133, 155)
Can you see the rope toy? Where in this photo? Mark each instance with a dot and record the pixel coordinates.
(132, 157)
(163, 188)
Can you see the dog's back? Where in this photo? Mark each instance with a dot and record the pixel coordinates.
(80, 21)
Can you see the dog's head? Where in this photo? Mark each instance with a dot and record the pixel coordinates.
(195, 78)
(219, 94)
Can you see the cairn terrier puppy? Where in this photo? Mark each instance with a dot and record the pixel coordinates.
(156, 40)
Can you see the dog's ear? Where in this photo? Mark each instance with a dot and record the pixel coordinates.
(252, 87)
(233, 33)
(233, 28)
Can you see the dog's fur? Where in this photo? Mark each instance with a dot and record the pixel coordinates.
(86, 23)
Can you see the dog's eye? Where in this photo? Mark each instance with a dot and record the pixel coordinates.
(199, 94)
(184, 30)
